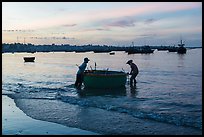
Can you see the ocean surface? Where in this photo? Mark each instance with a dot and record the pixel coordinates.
(168, 89)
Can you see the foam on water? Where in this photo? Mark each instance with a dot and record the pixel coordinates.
(113, 101)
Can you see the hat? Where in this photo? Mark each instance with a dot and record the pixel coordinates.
(129, 61)
(86, 60)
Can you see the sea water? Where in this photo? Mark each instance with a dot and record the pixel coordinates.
(168, 89)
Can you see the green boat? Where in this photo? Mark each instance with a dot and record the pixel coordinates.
(104, 79)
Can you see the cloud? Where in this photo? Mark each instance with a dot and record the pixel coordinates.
(122, 23)
(89, 16)
(147, 35)
(107, 25)
(96, 29)
(69, 25)
(137, 10)
(102, 29)
(149, 21)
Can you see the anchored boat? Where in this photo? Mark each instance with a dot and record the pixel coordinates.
(143, 50)
(104, 79)
(29, 59)
(181, 49)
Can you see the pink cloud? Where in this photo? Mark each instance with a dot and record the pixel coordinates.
(147, 8)
(122, 23)
(149, 21)
(69, 25)
(83, 17)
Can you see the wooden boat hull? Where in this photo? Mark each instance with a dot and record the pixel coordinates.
(104, 79)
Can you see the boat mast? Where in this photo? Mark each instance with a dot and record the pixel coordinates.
(181, 45)
(95, 65)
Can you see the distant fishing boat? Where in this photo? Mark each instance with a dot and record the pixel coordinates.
(142, 50)
(112, 53)
(101, 51)
(173, 49)
(181, 48)
(104, 79)
(162, 48)
(29, 59)
(80, 51)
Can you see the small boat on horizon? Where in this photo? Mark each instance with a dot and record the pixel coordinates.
(173, 49)
(112, 53)
(101, 51)
(142, 50)
(29, 59)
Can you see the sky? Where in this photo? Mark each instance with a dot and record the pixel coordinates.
(103, 23)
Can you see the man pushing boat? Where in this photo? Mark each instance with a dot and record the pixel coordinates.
(134, 72)
(80, 73)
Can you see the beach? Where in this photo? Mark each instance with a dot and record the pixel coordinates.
(15, 122)
(97, 121)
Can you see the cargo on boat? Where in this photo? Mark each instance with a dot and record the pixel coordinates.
(104, 79)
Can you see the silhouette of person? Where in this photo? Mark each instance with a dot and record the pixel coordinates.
(134, 72)
(80, 73)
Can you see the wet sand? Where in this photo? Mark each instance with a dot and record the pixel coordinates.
(98, 120)
(15, 122)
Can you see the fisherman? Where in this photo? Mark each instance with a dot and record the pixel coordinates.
(134, 72)
(80, 73)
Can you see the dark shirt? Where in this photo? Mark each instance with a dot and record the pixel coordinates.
(134, 69)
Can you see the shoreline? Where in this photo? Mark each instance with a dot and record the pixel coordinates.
(16, 122)
(98, 120)
(33, 48)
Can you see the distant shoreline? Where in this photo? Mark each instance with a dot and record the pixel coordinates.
(31, 48)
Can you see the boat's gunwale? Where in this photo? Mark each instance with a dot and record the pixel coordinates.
(117, 73)
(105, 75)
